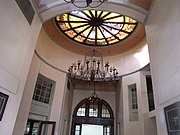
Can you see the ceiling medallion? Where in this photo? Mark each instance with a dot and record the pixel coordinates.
(95, 28)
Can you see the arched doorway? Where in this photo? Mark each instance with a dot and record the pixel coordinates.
(93, 116)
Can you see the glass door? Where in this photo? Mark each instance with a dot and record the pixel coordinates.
(47, 128)
(32, 127)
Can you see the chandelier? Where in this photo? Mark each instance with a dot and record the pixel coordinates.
(92, 68)
(86, 3)
(94, 100)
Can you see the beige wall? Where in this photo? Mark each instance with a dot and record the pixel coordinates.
(132, 127)
(65, 119)
(125, 63)
(55, 114)
(163, 34)
(17, 43)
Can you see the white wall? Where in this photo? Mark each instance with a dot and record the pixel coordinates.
(119, 109)
(163, 34)
(65, 120)
(17, 43)
(132, 127)
(55, 113)
(60, 79)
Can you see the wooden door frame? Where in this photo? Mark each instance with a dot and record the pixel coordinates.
(47, 122)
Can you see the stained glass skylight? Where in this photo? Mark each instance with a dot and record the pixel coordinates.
(95, 28)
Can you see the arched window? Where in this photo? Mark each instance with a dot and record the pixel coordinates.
(94, 115)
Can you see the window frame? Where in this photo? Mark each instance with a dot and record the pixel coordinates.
(99, 120)
(133, 102)
(51, 92)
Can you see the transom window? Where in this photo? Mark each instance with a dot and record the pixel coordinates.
(43, 89)
(93, 109)
(105, 112)
(93, 115)
(93, 27)
(81, 110)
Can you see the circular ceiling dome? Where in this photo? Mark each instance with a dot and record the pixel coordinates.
(95, 28)
(80, 31)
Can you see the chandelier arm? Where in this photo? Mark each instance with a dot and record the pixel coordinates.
(94, 87)
(68, 1)
(97, 5)
(79, 6)
(88, 3)
(93, 69)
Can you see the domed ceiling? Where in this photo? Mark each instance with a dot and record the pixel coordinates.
(79, 31)
(114, 28)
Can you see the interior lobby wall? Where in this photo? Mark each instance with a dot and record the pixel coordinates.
(163, 32)
(17, 43)
(132, 127)
(56, 111)
(61, 58)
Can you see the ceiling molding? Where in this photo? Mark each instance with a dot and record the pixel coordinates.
(48, 9)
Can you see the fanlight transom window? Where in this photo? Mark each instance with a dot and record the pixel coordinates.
(94, 109)
(92, 27)
(93, 114)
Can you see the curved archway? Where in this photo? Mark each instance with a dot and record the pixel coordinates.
(97, 115)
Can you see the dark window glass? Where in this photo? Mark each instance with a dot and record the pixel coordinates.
(150, 93)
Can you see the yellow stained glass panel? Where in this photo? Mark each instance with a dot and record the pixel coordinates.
(64, 26)
(93, 12)
(129, 27)
(112, 40)
(63, 17)
(81, 28)
(90, 41)
(104, 13)
(121, 35)
(73, 25)
(99, 34)
(111, 15)
(128, 19)
(87, 12)
(74, 18)
(86, 32)
(101, 42)
(79, 38)
(98, 13)
(58, 18)
(118, 19)
(71, 33)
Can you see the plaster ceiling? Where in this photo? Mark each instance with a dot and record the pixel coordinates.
(137, 9)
